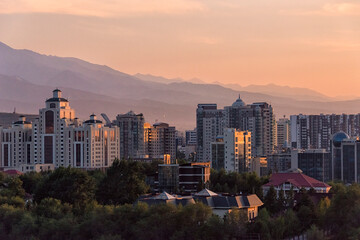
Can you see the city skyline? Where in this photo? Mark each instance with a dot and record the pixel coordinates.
(312, 44)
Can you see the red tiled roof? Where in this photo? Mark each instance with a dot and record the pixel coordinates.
(297, 179)
(13, 172)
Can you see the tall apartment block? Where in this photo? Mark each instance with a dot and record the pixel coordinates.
(131, 128)
(16, 144)
(233, 151)
(190, 137)
(345, 158)
(160, 141)
(210, 123)
(58, 138)
(283, 132)
(257, 118)
(315, 131)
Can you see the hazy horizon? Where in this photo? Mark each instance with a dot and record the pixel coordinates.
(312, 45)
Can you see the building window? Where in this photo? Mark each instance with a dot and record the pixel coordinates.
(49, 121)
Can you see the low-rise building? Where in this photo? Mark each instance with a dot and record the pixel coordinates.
(279, 161)
(295, 181)
(221, 205)
(314, 163)
(182, 178)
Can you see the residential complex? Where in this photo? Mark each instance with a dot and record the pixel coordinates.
(345, 158)
(257, 118)
(283, 132)
(232, 151)
(159, 140)
(210, 123)
(57, 137)
(315, 131)
(131, 128)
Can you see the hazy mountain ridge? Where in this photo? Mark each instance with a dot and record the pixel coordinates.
(28, 78)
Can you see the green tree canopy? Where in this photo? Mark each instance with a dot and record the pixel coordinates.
(69, 185)
(124, 183)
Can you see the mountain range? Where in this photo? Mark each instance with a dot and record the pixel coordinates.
(27, 79)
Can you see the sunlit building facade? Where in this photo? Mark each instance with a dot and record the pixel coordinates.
(58, 138)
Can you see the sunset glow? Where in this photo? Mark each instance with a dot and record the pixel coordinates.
(313, 44)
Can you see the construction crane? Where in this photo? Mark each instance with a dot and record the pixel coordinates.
(107, 120)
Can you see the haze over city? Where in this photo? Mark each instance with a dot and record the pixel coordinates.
(311, 44)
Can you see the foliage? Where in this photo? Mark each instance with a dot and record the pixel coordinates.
(234, 183)
(30, 181)
(124, 183)
(69, 185)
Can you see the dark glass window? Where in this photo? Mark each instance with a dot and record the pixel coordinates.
(49, 121)
(48, 149)
(52, 105)
(28, 153)
(6, 155)
(78, 155)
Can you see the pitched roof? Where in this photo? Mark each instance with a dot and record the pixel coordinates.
(230, 201)
(299, 180)
(13, 172)
(206, 193)
(164, 196)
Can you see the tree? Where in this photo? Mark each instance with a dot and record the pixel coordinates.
(30, 181)
(52, 208)
(69, 185)
(270, 201)
(14, 187)
(235, 222)
(124, 183)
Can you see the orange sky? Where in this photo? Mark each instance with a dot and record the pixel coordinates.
(313, 44)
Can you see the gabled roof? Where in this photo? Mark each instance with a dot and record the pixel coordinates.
(164, 196)
(299, 180)
(13, 172)
(229, 202)
(206, 193)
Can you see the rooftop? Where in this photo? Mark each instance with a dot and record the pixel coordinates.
(299, 180)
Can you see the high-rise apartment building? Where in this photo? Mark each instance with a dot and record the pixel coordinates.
(160, 141)
(131, 128)
(58, 138)
(257, 118)
(315, 131)
(345, 158)
(233, 151)
(190, 137)
(16, 144)
(283, 132)
(91, 144)
(210, 123)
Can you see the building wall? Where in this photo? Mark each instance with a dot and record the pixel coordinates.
(131, 128)
(237, 150)
(58, 138)
(160, 140)
(315, 131)
(314, 163)
(209, 124)
(279, 161)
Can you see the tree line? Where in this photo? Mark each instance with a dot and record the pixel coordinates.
(70, 203)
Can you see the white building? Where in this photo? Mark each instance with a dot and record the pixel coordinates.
(237, 150)
(16, 144)
(283, 133)
(58, 138)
